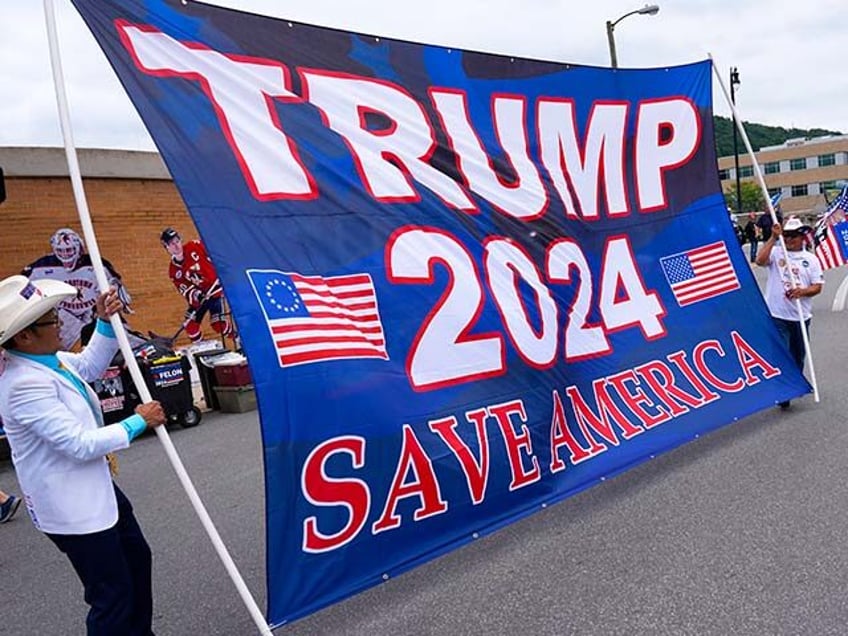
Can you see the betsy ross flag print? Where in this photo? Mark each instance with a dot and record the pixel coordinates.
(831, 234)
(700, 273)
(314, 319)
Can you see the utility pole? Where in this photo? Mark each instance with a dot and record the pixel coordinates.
(734, 81)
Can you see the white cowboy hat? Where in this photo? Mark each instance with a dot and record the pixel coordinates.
(794, 224)
(23, 301)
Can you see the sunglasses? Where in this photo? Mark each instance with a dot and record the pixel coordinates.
(52, 320)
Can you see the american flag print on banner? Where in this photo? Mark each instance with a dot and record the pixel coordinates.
(700, 273)
(315, 319)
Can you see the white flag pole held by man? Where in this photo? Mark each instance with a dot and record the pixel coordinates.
(759, 175)
(123, 341)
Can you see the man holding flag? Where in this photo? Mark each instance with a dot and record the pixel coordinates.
(792, 275)
(61, 450)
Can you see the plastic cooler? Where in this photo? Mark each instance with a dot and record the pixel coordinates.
(205, 365)
(232, 374)
(236, 399)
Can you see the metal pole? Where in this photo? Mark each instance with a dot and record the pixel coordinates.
(734, 80)
(611, 40)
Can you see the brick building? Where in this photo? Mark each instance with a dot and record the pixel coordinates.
(131, 198)
(803, 169)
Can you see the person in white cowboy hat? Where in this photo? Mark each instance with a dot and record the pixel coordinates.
(780, 290)
(59, 448)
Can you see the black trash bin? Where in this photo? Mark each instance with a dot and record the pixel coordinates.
(204, 363)
(167, 376)
(169, 381)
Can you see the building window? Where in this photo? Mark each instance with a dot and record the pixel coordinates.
(773, 191)
(772, 167)
(827, 160)
(824, 186)
(723, 175)
(746, 171)
(799, 190)
(798, 164)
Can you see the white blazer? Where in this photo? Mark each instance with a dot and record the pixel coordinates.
(58, 440)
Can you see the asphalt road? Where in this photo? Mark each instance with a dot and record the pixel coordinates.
(740, 532)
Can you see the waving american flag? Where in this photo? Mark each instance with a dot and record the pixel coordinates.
(831, 236)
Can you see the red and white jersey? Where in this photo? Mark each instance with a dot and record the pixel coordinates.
(195, 275)
(80, 310)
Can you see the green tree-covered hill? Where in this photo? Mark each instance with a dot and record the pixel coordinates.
(759, 135)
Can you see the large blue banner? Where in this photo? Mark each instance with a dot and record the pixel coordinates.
(467, 285)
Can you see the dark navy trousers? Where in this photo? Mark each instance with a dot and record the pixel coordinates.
(114, 566)
(793, 338)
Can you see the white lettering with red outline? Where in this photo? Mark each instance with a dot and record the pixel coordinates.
(241, 90)
(654, 156)
(446, 351)
(410, 142)
(526, 197)
(577, 167)
(244, 90)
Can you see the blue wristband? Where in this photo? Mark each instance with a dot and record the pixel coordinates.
(134, 425)
(104, 328)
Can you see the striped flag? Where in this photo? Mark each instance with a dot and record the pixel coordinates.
(314, 319)
(700, 273)
(830, 238)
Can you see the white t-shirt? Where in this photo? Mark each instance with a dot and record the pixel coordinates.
(806, 270)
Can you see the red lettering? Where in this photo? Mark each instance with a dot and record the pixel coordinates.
(424, 485)
(600, 423)
(561, 436)
(750, 359)
(700, 355)
(636, 398)
(660, 378)
(516, 443)
(321, 490)
(476, 473)
(678, 358)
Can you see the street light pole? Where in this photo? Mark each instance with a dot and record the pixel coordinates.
(611, 40)
(648, 9)
(734, 81)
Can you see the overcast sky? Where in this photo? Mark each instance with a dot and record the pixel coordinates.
(790, 55)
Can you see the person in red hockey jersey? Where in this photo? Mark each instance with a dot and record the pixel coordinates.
(194, 276)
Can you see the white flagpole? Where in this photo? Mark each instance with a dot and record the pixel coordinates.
(126, 349)
(762, 182)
